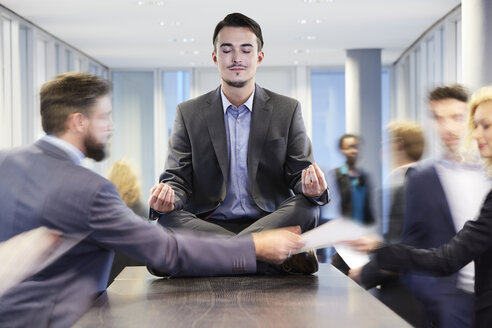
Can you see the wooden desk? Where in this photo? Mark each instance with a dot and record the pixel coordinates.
(327, 299)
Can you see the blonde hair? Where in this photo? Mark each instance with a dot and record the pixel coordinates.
(125, 179)
(479, 97)
(411, 135)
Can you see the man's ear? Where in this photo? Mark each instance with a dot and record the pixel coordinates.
(400, 144)
(77, 122)
(261, 55)
(214, 57)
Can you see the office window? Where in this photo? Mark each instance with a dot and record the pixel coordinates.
(6, 114)
(457, 50)
(133, 116)
(175, 89)
(27, 83)
(328, 116)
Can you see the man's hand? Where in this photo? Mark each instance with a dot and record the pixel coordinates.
(162, 198)
(23, 254)
(275, 246)
(313, 181)
(365, 244)
(355, 274)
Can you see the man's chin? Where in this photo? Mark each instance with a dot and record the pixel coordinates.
(235, 84)
(96, 153)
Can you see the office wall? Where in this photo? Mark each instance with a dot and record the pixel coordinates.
(433, 60)
(29, 57)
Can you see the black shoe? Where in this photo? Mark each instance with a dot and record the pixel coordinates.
(302, 263)
(157, 273)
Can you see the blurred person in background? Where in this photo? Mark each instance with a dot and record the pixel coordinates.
(124, 177)
(473, 242)
(405, 142)
(441, 195)
(350, 191)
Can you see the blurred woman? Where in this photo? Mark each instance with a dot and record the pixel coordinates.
(126, 181)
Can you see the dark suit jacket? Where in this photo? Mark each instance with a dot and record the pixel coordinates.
(427, 224)
(41, 186)
(278, 150)
(472, 243)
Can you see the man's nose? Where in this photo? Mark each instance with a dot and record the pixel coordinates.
(237, 58)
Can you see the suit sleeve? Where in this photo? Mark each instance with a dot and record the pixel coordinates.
(299, 156)
(113, 225)
(472, 241)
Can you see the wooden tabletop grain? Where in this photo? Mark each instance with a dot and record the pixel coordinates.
(326, 299)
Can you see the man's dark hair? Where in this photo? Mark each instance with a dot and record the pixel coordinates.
(239, 20)
(69, 93)
(346, 136)
(456, 91)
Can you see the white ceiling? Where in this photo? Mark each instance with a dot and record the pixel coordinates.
(177, 33)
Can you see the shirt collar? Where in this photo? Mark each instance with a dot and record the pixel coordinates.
(226, 103)
(75, 154)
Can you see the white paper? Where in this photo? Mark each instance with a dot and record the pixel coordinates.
(334, 231)
(353, 258)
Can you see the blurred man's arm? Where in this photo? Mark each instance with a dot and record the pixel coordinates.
(22, 255)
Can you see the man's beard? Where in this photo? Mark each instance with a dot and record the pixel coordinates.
(93, 149)
(238, 84)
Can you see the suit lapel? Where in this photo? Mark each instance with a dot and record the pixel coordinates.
(441, 198)
(214, 116)
(260, 121)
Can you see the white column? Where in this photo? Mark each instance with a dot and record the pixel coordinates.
(363, 107)
(476, 18)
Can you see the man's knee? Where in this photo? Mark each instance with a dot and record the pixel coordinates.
(305, 209)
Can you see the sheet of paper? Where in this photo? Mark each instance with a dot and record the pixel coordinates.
(353, 258)
(334, 231)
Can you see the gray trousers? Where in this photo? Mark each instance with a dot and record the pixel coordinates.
(294, 211)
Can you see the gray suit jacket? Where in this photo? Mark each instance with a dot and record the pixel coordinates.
(278, 150)
(40, 185)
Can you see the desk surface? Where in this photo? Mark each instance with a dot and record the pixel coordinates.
(327, 299)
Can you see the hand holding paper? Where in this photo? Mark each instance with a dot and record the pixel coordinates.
(336, 233)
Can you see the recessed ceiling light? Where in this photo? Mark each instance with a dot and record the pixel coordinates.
(170, 23)
(307, 38)
(188, 40)
(196, 52)
(303, 21)
(150, 3)
(317, 1)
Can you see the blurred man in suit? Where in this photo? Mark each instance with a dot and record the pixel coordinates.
(239, 158)
(43, 184)
(440, 197)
